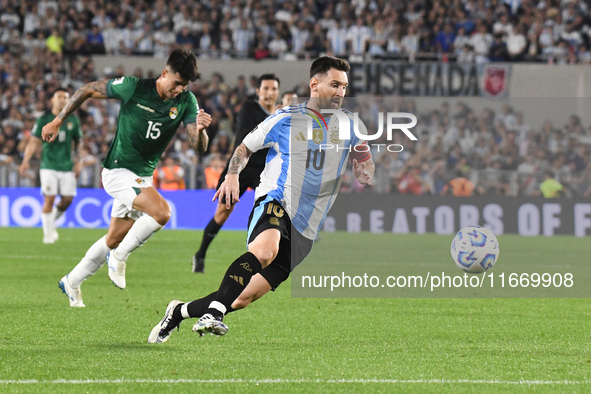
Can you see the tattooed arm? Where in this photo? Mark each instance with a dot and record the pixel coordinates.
(239, 160)
(97, 89)
(230, 189)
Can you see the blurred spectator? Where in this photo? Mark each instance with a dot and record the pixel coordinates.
(86, 168)
(171, 175)
(213, 171)
(550, 187)
(459, 186)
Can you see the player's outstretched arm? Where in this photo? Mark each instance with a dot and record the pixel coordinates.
(97, 89)
(230, 188)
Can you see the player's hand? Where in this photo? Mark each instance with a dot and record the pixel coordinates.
(22, 170)
(50, 131)
(203, 120)
(230, 190)
(361, 173)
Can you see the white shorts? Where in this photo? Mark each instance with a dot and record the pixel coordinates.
(123, 185)
(53, 183)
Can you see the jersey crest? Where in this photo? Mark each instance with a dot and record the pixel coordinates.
(317, 136)
(173, 113)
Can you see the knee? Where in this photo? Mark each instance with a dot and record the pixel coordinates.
(65, 203)
(222, 215)
(162, 216)
(265, 256)
(112, 241)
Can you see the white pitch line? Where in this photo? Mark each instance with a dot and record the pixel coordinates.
(288, 381)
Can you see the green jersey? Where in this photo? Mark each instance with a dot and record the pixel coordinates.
(146, 123)
(57, 155)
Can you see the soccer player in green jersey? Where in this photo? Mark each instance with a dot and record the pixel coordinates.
(151, 112)
(57, 177)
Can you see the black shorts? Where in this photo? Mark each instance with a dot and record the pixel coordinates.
(249, 177)
(293, 246)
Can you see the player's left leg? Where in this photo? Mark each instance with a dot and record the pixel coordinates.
(212, 308)
(67, 191)
(157, 214)
(47, 219)
(49, 188)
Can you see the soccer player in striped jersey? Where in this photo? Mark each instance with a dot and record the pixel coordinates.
(298, 186)
(151, 112)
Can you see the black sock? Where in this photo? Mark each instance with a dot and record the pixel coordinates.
(237, 277)
(211, 230)
(195, 308)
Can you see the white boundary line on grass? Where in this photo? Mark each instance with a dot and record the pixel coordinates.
(328, 381)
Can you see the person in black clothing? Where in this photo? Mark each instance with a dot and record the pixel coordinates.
(251, 114)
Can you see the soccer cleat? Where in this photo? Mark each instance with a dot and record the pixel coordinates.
(198, 264)
(75, 295)
(55, 235)
(208, 323)
(116, 270)
(163, 330)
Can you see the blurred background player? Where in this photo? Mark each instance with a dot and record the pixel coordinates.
(292, 200)
(57, 177)
(288, 98)
(151, 112)
(251, 114)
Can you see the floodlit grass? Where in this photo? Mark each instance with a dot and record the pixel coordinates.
(279, 343)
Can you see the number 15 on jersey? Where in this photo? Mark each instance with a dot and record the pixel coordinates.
(153, 130)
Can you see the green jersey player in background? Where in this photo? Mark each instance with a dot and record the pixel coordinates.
(57, 177)
(151, 112)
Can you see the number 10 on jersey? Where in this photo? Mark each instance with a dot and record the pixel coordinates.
(153, 130)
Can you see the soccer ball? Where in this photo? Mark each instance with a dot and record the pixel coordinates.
(475, 249)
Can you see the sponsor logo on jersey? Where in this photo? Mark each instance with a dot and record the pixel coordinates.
(173, 113)
(140, 181)
(300, 137)
(145, 108)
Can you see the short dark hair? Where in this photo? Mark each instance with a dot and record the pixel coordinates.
(184, 62)
(60, 89)
(323, 64)
(268, 77)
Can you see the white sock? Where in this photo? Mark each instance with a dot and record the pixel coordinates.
(93, 260)
(57, 213)
(218, 306)
(139, 233)
(185, 311)
(47, 224)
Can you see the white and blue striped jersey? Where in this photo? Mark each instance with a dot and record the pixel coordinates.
(303, 174)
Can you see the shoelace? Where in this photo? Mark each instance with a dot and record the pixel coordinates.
(121, 269)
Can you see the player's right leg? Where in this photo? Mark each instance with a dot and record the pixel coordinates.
(49, 189)
(93, 260)
(209, 233)
(135, 198)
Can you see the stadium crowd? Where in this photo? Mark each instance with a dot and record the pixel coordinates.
(459, 151)
(555, 31)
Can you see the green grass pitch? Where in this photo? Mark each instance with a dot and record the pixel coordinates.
(278, 344)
